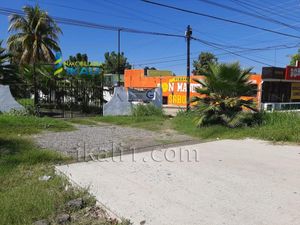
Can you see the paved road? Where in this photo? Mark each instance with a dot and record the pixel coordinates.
(243, 182)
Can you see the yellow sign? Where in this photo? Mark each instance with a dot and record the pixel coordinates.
(295, 91)
(176, 99)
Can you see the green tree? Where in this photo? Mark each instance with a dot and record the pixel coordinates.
(149, 68)
(34, 37)
(294, 58)
(79, 57)
(7, 71)
(219, 100)
(201, 65)
(111, 63)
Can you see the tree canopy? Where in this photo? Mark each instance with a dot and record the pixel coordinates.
(79, 57)
(7, 71)
(201, 65)
(294, 58)
(34, 36)
(111, 63)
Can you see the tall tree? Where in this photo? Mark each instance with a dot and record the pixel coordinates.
(34, 36)
(111, 63)
(201, 65)
(295, 58)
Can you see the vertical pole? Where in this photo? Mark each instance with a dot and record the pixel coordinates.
(188, 40)
(119, 46)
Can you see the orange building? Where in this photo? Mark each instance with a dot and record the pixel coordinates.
(173, 87)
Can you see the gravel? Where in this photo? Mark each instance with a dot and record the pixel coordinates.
(105, 138)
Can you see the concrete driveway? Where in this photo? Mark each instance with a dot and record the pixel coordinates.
(243, 182)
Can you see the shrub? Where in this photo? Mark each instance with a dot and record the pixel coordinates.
(28, 104)
(220, 97)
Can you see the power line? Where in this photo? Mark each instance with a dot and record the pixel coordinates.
(264, 9)
(139, 13)
(271, 9)
(245, 50)
(194, 58)
(8, 11)
(102, 12)
(233, 53)
(259, 16)
(220, 19)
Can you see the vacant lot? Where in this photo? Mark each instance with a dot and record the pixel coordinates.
(98, 138)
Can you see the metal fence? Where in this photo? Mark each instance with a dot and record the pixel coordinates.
(62, 97)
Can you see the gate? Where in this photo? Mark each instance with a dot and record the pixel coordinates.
(71, 97)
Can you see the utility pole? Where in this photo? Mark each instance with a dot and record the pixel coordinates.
(188, 35)
(119, 46)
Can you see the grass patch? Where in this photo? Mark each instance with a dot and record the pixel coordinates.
(26, 101)
(24, 198)
(146, 122)
(277, 126)
(12, 124)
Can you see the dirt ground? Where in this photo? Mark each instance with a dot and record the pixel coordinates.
(105, 138)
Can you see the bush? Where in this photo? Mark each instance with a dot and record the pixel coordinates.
(220, 97)
(28, 104)
(141, 110)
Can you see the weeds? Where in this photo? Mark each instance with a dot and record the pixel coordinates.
(142, 110)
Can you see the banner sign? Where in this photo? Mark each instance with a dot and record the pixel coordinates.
(273, 73)
(76, 68)
(295, 91)
(292, 73)
(145, 96)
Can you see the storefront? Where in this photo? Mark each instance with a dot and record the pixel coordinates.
(280, 88)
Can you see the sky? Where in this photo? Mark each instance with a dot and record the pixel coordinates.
(169, 53)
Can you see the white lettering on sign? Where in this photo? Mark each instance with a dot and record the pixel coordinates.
(181, 87)
(194, 86)
(171, 87)
(295, 72)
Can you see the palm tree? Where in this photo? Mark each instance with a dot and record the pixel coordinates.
(7, 71)
(219, 100)
(34, 38)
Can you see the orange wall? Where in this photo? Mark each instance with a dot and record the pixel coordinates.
(173, 87)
